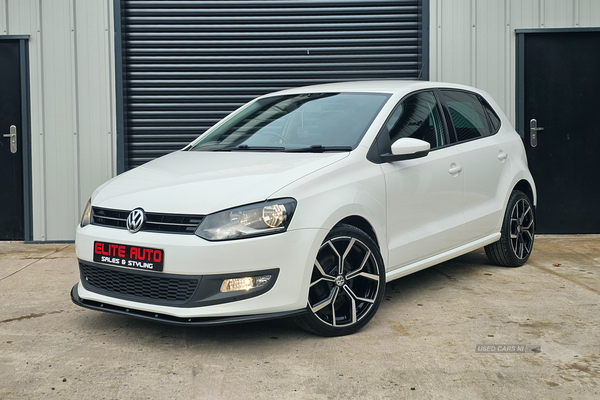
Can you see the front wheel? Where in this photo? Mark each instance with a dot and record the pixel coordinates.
(517, 234)
(347, 284)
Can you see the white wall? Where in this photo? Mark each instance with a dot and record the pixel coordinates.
(473, 41)
(71, 63)
(71, 55)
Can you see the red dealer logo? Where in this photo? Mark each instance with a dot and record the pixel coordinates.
(128, 256)
(109, 249)
(144, 254)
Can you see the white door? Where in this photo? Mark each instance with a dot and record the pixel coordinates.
(486, 161)
(424, 195)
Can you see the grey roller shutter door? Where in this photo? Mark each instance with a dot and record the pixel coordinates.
(187, 64)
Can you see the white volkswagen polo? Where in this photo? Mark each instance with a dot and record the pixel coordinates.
(304, 203)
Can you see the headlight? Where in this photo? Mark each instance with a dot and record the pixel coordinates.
(86, 219)
(252, 220)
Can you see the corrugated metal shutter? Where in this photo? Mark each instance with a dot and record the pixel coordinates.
(187, 64)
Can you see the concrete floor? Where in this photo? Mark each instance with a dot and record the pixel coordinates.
(420, 345)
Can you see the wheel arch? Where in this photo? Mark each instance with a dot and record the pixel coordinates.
(524, 186)
(362, 224)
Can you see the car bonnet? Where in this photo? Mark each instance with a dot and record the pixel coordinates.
(197, 182)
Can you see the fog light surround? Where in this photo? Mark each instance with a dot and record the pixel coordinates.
(244, 283)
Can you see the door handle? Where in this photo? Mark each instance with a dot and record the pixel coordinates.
(454, 169)
(13, 138)
(502, 155)
(533, 129)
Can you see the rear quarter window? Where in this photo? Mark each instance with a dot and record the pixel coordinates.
(492, 116)
(468, 115)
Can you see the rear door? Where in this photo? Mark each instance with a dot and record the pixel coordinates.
(486, 159)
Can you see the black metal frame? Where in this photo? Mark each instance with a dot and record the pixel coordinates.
(425, 31)
(120, 100)
(23, 41)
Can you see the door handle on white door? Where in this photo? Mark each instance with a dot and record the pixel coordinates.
(454, 169)
(502, 155)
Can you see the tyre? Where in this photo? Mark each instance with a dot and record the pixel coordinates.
(517, 234)
(347, 284)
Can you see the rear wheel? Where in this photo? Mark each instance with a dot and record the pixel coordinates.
(517, 234)
(347, 284)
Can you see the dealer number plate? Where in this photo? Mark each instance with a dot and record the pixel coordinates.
(129, 256)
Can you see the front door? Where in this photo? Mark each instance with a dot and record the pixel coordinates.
(424, 195)
(11, 143)
(561, 83)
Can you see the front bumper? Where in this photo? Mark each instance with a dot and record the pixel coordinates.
(166, 289)
(291, 253)
(169, 319)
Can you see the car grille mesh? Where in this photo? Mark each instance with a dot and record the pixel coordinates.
(155, 222)
(127, 284)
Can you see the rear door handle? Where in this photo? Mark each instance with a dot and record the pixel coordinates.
(454, 169)
(502, 155)
(12, 138)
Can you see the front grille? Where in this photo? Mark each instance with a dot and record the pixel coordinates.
(134, 285)
(155, 222)
(106, 217)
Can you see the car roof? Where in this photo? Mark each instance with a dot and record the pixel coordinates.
(381, 86)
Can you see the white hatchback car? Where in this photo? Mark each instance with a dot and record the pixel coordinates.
(304, 203)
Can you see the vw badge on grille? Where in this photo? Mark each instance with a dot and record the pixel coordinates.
(136, 220)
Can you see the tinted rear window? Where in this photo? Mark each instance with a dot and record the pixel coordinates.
(468, 115)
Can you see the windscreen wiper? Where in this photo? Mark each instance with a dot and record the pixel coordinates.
(243, 147)
(318, 148)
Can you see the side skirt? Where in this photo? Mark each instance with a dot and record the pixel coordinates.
(439, 258)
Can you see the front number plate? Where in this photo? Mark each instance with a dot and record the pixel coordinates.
(129, 256)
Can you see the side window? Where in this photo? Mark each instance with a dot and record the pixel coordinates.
(467, 113)
(493, 117)
(418, 117)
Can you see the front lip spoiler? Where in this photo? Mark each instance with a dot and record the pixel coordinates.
(169, 319)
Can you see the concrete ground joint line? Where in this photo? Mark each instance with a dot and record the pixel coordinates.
(565, 277)
(30, 316)
(446, 275)
(39, 259)
(570, 237)
(584, 255)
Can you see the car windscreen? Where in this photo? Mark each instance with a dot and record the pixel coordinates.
(298, 122)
